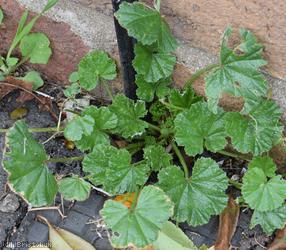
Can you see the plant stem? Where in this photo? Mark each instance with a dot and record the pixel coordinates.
(154, 127)
(169, 105)
(234, 155)
(65, 159)
(199, 73)
(37, 130)
(234, 183)
(108, 90)
(181, 159)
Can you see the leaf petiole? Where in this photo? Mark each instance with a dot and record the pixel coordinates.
(107, 89)
(65, 159)
(199, 73)
(234, 155)
(181, 159)
(234, 183)
(38, 130)
(154, 127)
(171, 106)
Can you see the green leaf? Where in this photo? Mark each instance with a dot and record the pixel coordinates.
(49, 5)
(263, 192)
(256, 132)
(183, 99)
(141, 226)
(79, 126)
(129, 114)
(33, 77)
(25, 163)
(94, 67)
(172, 237)
(72, 90)
(104, 120)
(74, 188)
(157, 157)
(238, 73)
(112, 168)
(270, 220)
(153, 65)
(36, 47)
(12, 61)
(199, 127)
(146, 91)
(146, 25)
(97, 162)
(1, 16)
(199, 197)
(265, 163)
(157, 5)
(23, 30)
(74, 77)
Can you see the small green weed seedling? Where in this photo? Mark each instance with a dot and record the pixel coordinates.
(34, 48)
(182, 123)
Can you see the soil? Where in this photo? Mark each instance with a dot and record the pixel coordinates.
(20, 226)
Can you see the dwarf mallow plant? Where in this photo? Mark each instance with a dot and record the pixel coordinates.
(181, 123)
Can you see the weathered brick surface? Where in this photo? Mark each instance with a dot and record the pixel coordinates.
(200, 23)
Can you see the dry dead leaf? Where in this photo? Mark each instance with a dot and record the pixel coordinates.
(227, 225)
(26, 94)
(279, 242)
(61, 239)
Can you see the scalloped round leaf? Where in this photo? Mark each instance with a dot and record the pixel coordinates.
(72, 90)
(36, 47)
(199, 197)
(25, 163)
(140, 226)
(184, 99)
(146, 91)
(238, 73)
(199, 127)
(146, 25)
(33, 77)
(74, 188)
(126, 178)
(157, 157)
(153, 65)
(270, 220)
(95, 66)
(262, 193)
(74, 77)
(79, 126)
(100, 159)
(104, 120)
(264, 163)
(129, 114)
(256, 132)
(112, 168)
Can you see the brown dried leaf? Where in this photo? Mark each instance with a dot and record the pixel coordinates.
(227, 225)
(61, 239)
(279, 242)
(26, 94)
(14, 84)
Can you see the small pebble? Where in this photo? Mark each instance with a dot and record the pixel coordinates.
(9, 204)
